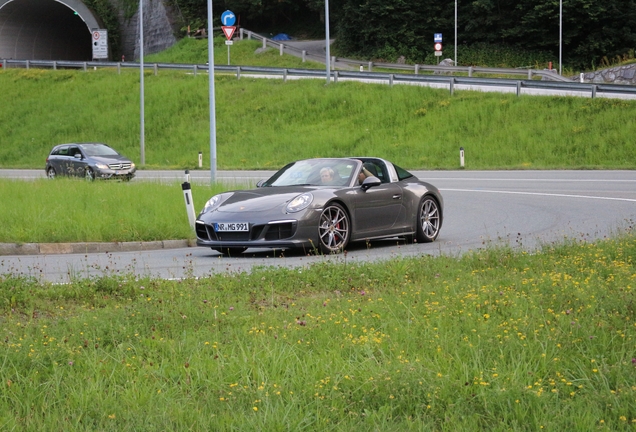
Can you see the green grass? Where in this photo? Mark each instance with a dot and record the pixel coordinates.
(263, 124)
(494, 340)
(195, 51)
(68, 210)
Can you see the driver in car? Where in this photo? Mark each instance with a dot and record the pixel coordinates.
(326, 175)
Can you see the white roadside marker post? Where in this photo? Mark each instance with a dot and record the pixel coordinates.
(187, 196)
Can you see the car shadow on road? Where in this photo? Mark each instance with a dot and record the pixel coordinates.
(359, 246)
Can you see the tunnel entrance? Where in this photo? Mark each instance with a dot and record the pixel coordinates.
(46, 30)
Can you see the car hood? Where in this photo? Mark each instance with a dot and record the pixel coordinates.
(110, 159)
(263, 199)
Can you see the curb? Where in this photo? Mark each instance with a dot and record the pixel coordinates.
(90, 247)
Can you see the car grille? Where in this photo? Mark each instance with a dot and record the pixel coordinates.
(279, 231)
(119, 166)
(269, 232)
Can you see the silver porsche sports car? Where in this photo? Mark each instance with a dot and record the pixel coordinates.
(321, 205)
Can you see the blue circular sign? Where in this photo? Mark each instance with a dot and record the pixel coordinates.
(228, 18)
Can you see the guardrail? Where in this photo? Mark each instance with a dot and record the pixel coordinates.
(416, 68)
(582, 89)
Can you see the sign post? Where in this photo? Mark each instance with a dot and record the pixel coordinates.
(100, 44)
(228, 19)
(437, 39)
(229, 32)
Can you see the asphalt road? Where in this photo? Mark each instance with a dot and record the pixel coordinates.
(524, 209)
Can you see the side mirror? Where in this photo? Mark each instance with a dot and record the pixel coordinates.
(78, 156)
(370, 182)
(260, 183)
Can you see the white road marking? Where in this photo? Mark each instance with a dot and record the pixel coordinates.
(540, 194)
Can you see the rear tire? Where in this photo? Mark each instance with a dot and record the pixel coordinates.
(428, 220)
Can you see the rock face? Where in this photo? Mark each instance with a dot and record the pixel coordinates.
(616, 75)
(159, 29)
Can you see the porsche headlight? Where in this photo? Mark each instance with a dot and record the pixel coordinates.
(301, 202)
(214, 202)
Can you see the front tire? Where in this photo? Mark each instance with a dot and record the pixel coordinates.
(50, 173)
(429, 220)
(89, 174)
(334, 229)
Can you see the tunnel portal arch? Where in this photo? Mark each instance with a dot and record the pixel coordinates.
(46, 30)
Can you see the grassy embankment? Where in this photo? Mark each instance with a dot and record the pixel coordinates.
(266, 123)
(491, 341)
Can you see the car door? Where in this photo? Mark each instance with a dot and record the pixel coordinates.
(378, 211)
(76, 161)
(63, 163)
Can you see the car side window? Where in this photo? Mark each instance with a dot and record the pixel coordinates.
(380, 171)
(74, 151)
(62, 151)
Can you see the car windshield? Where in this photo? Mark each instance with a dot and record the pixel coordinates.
(98, 150)
(314, 172)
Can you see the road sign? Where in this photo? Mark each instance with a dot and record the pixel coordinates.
(437, 37)
(229, 31)
(100, 44)
(438, 46)
(438, 53)
(228, 18)
(229, 42)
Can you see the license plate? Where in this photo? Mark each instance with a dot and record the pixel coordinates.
(231, 226)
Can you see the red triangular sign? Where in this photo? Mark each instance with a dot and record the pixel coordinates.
(229, 31)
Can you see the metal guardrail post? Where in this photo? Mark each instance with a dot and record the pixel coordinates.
(118, 68)
(304, 56)
(452, 86)
(238, 73)
(4, 64)
(241, 33)
(594, 88)
(156, 68)
(417, 69)
(85, 66)
(529, 74)
(333, 62)
(370, 66)
(335, 77)
(27, 64)
(391, 80)
(281, 49)
(285, 75)
(54, 65)
(518, 88)
(470, 71)
(249, 34)
(195, 70)
(264, 43)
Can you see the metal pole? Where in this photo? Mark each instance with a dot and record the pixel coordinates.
(560, 36)
(455, 32)
(328, 60)
(142, 138)
(212, 102)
